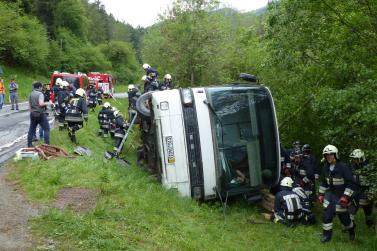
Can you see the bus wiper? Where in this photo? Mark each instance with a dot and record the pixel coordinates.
(212, 109)
(218, 118)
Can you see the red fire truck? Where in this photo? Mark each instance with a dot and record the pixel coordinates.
(77, 80)
(104, 80)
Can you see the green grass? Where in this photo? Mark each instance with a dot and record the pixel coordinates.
(134, 212)
(24, 79)
(120, 88)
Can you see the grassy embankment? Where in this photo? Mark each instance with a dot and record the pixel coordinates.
(24, 79)
(134, 212)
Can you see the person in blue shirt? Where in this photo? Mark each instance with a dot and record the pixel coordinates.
(13, 87)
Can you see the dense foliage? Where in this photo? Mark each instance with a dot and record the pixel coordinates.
(66, 35)
(317, 57)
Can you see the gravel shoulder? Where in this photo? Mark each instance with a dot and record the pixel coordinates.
(15, 213)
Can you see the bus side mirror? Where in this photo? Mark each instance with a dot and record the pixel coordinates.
(248, 77)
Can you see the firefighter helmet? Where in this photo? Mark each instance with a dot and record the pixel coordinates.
(117, 113)
(306, 148)
(330, 149)
(80, 92)
(167, 77)
(286, 182)
(106, 105)
(296, 143)
(358, 154)
(64, 84)
(146, 66)
(130, 87)
(58, 81)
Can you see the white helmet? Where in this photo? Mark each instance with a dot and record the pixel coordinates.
(106, 105)
(130, 87)
(146, 66)
(167, 77)
(330, 149)
(58, 81)
(286, 182)
(64, 84)
(358, 154)
(116, 113)
(80, 92)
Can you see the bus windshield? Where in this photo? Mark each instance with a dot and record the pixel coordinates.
(246, 135)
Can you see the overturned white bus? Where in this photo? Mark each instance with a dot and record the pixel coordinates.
(210, 142)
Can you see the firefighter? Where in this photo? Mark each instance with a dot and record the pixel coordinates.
(285, 163)
(287, 206)
(304, 173)
(120, 129)
(150, 72)
(46, 92)
(111, 118)
(335, 191)
(133, 95)
(310, 160)
(63, 99)
(92, 95)
(77, 112)
(146, 83)
(151, 82)
(99, 93)
(103, 119)
(362, 197)
(55, 90)
(308, 216)
(167, 84)
(72, 90)
(296, 146)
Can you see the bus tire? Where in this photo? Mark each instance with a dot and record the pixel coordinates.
(141, 106)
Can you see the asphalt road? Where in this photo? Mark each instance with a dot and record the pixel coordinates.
(14, 127)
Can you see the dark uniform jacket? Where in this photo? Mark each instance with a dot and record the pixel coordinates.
(103, 117)
(63, 99)
(339, 181)
(77, 110)
(287, 205)
(166, 86)
(120, 127)
(360, 174)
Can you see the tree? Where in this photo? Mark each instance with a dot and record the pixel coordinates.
(123, 60)
(71, 15)
(24, 40)
(186, 43)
